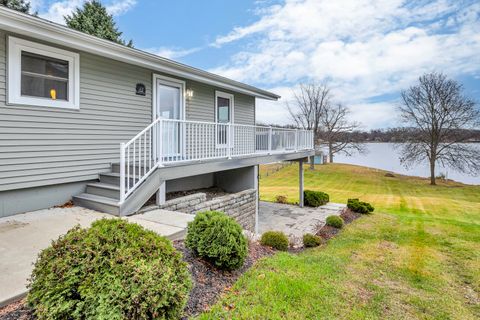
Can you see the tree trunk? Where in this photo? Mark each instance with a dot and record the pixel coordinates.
(312, 162)
(432, 173)
(330, 153)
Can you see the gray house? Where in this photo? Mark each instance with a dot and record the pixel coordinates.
(111, 126)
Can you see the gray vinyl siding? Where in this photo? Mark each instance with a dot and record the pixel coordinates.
(201, 107)
(45, 146)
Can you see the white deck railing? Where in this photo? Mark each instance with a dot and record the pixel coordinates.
(167, 141)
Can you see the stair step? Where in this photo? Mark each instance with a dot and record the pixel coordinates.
(98, 203)
(104, 190)
(114, 178)
(116, 167)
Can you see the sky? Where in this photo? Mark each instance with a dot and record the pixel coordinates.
(367, 51)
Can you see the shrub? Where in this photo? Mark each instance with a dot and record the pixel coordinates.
(217, 238)
(335, 221)
(112, 270)
(360, 206)
(310, 240)
(315, 198)
(281, 199)
(275, 239)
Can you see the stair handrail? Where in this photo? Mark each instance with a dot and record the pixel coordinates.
(124, 146)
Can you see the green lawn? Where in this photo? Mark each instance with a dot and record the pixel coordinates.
(416, 257)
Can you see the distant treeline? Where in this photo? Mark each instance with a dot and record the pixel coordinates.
(400, 134)
(391, 134)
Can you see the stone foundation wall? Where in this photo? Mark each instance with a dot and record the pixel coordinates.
(240, 206)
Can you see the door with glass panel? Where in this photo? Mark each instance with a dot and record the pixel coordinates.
(169, 105)
(224, 116)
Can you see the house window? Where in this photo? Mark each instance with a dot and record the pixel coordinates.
(40, 75)
(223, 116)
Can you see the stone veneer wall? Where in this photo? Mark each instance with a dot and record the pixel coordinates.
(240, 206)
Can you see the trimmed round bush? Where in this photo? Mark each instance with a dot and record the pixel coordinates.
(310, 240)
(281, 199)
(335, 221)
(217, 238)
(275, 239)
(315, 198)
(112, 270)
(360, 206)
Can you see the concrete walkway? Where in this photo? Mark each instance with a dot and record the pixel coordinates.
(23, 236)
(293, 220)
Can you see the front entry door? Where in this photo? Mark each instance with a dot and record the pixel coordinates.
(169, 105)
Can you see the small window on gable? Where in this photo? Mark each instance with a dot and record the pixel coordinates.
(40, 75)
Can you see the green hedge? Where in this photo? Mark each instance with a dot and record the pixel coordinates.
(360, 206)
(112, 270)
(217, 238)
(335, 221)
(310, 240)
(275, 239)
(315, 198)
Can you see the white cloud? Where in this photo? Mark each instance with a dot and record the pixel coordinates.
(117, 8)
(364, 48)
(172, 53)
(59, 9)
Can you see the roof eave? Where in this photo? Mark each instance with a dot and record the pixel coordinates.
(16, 22)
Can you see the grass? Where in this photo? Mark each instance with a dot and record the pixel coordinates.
(416, 257)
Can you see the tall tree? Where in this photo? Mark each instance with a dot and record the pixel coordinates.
(307, 107)
(336, 131)
(94, 19)
(19, 5)
(437, 110)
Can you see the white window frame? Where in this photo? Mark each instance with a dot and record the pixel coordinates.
(15, 48)
(221, 94)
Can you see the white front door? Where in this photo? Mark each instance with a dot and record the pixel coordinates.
(223, 117)
(169, 105)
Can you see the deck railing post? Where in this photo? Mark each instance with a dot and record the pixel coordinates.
(122, 172)
(160, 143)
(270, 131)
(296, 140)
(229, 140)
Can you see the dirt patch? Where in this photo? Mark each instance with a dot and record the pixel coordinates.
(209, 283)
(68, 204)
(349, 215)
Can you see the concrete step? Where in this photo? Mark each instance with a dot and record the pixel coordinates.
(98, 203)
(104, 190)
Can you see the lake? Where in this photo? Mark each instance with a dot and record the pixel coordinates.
(385, 156)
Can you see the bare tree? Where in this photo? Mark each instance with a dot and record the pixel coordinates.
(336, 131)
(437, 111)
(307, 107)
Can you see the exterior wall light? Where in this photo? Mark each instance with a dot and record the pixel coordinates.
(189, 93)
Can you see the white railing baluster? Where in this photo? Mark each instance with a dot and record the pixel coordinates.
(167, 141)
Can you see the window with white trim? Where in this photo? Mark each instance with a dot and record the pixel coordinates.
(41, 75)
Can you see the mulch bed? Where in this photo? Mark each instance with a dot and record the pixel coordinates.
(16, 311)
(209, 283)
(327, 232)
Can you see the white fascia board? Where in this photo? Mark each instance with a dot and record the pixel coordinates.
(45, 30)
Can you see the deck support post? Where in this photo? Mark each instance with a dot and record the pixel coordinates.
(161, 193)
(256, 177)
(300, 183)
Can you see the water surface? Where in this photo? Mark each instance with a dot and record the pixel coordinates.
(385, 156)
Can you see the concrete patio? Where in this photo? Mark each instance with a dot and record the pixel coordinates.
(293, 220)
(23, 236)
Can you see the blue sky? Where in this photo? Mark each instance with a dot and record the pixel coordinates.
(367, 50)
